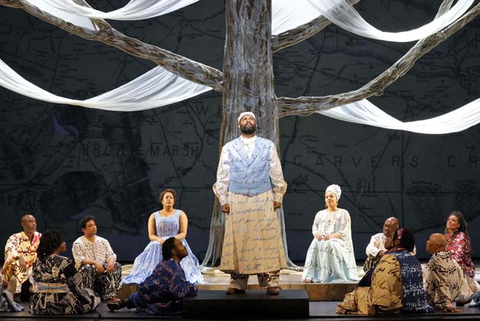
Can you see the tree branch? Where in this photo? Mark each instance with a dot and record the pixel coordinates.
(301, 33)
(177, 64)
(308, 105)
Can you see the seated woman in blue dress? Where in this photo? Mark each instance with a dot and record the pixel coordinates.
(162, 225)
(330, 257)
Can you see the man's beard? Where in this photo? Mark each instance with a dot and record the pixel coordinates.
(248, 129)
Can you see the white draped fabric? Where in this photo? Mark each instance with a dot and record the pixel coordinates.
(159, 87)
(134, 10)
(289, 14)
(156, 88)
(72, 18)
(366, 113)
(344, 15)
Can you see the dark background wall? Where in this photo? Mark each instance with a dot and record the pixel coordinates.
(61, 162)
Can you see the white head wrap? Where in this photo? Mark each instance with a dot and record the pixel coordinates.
(335, 189)
(245, 113)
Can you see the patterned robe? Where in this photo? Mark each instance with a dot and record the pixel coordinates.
(386, 294)
(19, 244)
(106, 285)
(461, 250)
(444, 281)
(59, 288)
(163, 291)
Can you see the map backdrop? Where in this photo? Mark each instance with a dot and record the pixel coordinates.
(61, 162)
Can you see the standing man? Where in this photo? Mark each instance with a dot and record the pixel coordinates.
(250, 188)
(96, 261)
(20, 254)
(376, 248)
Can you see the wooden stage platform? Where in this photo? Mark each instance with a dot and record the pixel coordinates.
(216, 280)
(323, 299)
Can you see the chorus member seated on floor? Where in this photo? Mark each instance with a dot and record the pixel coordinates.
(20, 254)
(396, 283)
(59, 289)
(163, 291)
(376, 248)
(96, 261)
(162, 225)
(458, 243)
(444, 280)
(330, 257)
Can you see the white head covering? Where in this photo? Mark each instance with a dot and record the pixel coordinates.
(245, 113)
(335, 189)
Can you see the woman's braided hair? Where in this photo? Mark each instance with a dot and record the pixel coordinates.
(49, 242)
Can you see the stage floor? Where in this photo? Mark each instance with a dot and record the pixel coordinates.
(318, 310)
(218, 281)
(215, 280)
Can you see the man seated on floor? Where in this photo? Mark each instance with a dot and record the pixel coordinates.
(96, 261)
(20, 254)
(396, 283)
(163, 291)
(444, 279)
(376, 248)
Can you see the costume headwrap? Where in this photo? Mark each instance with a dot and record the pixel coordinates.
(245, 113)
(335, 189)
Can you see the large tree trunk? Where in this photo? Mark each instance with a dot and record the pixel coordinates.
(248, 85)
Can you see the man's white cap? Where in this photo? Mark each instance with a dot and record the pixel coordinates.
(245, 113)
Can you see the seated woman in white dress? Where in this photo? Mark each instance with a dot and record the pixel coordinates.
(162, 225)
(330, 257)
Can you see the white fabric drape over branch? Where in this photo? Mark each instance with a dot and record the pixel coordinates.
(68, 17)
(160, 87)
(344, 15)
(134, 10)
(153, 89)
(366, 113)
(288, 14)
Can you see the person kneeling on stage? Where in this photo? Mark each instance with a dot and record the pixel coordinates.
(96, 261)
(396, 283)
(163, 291)
(444, 278)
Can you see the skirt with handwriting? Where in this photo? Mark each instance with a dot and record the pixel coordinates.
(253, 242)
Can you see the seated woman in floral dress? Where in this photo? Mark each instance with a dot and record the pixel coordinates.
(458, 243)
(58, 288)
